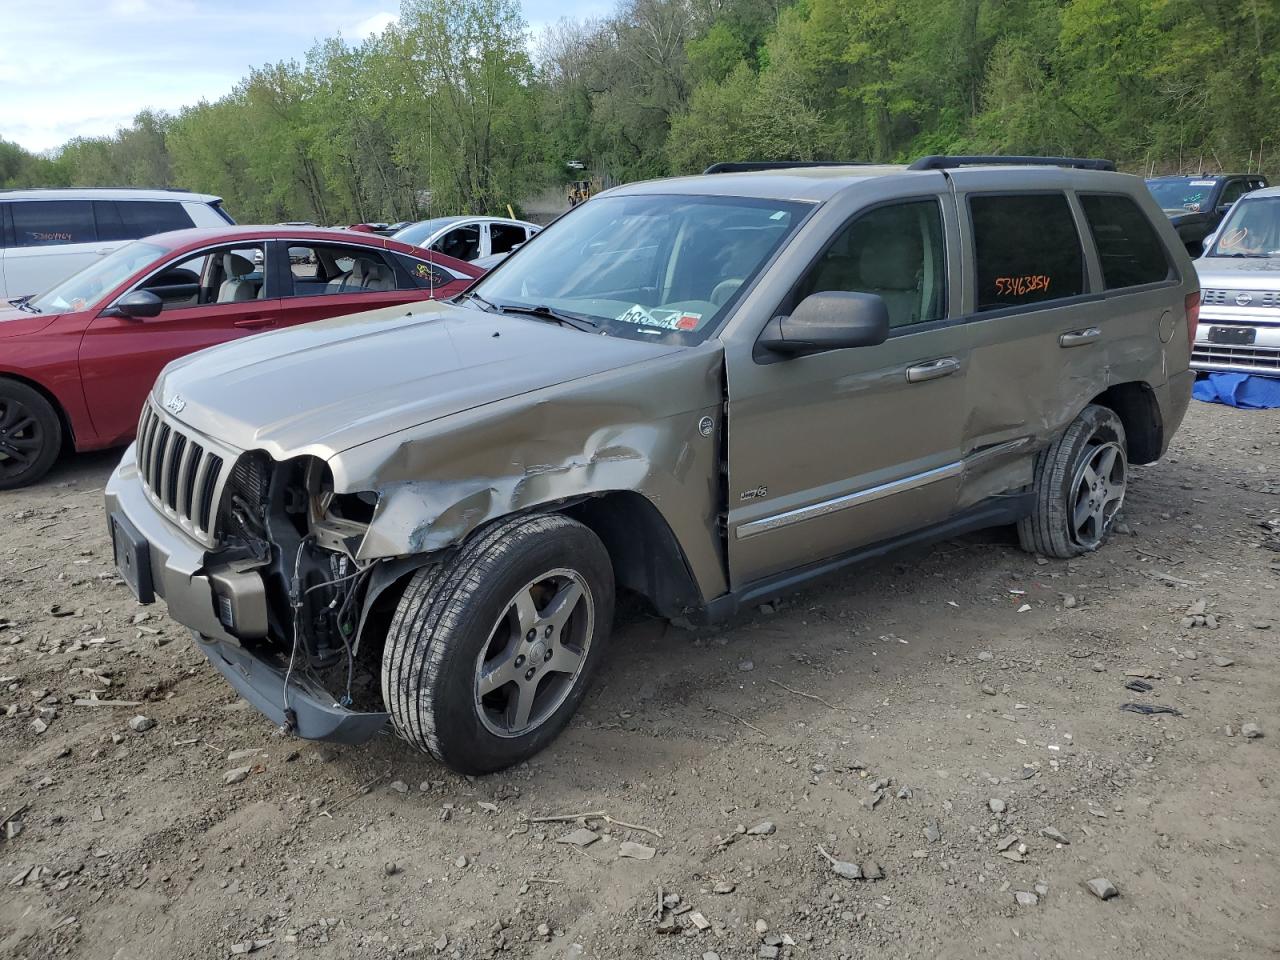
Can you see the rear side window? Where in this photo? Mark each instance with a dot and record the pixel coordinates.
(504, 237)
(1026, 248)
(134, 219)
(47, 223)
(1129, 250)
(426, 275)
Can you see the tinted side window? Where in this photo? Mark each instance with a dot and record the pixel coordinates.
(425, 275)
(45, 223)
(504, 236)
(462, 243)
(1026, 249)
(896, 252)
(1128, 248)
(134, 219)
(1234, 191)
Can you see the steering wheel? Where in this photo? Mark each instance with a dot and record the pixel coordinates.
(724, 290)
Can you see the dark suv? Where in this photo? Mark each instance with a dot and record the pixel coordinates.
(1196, 205)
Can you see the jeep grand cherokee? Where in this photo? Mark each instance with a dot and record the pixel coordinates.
(703, 390)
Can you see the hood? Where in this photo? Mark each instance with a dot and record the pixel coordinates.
(1258, 273)
(15, 322)
(325, 387)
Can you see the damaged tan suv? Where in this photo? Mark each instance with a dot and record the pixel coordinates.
(703, 390)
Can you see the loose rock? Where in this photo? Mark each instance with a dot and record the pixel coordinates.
(996, 805)
(1251, 731)
(238, 775)
(762, 829)
(141, 724)
(1102, 888)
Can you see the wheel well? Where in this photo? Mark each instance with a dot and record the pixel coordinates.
(68, 435)
(646, 556)
(1135, 404)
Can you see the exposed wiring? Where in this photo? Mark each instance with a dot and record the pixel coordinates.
(295, 603)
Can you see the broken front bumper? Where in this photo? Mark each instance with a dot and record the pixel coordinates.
(196, 596)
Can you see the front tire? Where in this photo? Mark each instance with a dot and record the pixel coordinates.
(30, 435)
(489, 654)
(1080, 483)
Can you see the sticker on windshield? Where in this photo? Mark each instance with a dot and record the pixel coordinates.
(1202, 183)
(663, 319)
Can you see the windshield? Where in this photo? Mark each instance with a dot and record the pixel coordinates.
(1182, 193)
(417, 233)
(1251, 230)
(661, 268)
(85, 288)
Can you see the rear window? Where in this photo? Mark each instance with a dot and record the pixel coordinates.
(134, 219)
(47, 223)
(1129, 249)
(1026, 249)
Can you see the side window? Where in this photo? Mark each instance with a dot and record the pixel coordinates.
(331, 269)
(426, 275)
(504, 237)
(46, 223)
(896, 252)
(134, 219)
(1128, 248)
(462, 243)
(1234, 191)
(1026, 249)
(224, 275)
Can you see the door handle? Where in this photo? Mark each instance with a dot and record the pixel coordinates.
(253, 323)
(932, 369)
(1078, 338)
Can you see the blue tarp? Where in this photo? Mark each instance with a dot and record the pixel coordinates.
(1239, 390)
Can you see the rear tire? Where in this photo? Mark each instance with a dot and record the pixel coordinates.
(30, 435)
(490, 653)
(1080, 482)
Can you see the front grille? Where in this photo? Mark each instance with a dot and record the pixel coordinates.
(1263, 299)
(1218, 355)
(182, 473)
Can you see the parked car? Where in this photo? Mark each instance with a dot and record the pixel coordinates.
(704, 390)
(76, 362)
(1196, 205)
(1240, 290)
(468, 238)
(47, 235)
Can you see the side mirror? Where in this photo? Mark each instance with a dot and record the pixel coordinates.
(1207, 242)
(138, 305)
(830, 320)
(1223, 209)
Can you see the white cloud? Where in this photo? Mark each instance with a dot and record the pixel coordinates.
(373, 25)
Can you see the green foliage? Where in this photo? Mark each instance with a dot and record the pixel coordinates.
(453, 109)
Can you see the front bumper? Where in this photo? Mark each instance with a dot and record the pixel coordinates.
(1262, 356)
(190, 590)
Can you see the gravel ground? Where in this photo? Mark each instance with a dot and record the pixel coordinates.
(949, 717)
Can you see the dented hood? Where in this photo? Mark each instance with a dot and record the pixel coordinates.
(328, 386)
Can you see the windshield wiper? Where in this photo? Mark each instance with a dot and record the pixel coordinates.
(543, 312)
(23, 303)
(484, 304)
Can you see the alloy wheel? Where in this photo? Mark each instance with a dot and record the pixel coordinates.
(1098, 493)
(535, 653)
(21, 438)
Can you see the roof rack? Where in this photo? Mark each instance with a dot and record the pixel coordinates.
(946, 163)
(747, 166)
(61, 189)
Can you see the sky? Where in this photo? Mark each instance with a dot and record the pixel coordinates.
(84, 68)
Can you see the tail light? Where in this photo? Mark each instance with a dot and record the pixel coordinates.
(1192, 303)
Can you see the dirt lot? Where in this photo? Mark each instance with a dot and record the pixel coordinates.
(948, 683)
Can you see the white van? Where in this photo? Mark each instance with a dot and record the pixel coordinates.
(47, 235)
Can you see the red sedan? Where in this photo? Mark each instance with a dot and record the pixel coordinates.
(76, 363)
